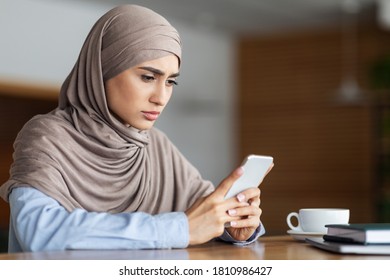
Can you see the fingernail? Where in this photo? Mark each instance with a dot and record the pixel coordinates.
(240, 170)
(233, 223)
(232, 212)
(241, 197)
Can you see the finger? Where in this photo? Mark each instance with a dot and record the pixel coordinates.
(233, 203)
(227, 183)
(248, 194)
(250, 222)
(254, 202)
(246, 221)
(245, 211)
(270, 168)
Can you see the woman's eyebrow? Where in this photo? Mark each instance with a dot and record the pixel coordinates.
(158, 71)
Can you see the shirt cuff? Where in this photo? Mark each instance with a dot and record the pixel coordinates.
(228, 238)
(173, 230)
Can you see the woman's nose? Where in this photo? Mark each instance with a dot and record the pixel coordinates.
(161, 95)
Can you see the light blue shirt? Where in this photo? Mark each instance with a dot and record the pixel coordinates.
(40, 223)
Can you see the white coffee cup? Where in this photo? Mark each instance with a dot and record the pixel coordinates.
(315, 219)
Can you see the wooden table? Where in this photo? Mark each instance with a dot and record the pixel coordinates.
(266, 248)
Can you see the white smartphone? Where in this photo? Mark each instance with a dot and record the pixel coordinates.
(255, 168)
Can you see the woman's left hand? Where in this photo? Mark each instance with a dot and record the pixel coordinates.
(248, 217)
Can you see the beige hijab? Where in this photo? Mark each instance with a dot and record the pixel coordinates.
(81, 155)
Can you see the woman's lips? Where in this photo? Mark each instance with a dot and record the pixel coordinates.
(151, 115)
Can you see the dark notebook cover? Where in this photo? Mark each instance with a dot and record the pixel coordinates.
(349, 248)
(361, 227)
(361, 233)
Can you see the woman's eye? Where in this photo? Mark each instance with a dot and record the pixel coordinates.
(147, 78)
(172, 82)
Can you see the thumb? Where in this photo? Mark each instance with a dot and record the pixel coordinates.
(227, 183)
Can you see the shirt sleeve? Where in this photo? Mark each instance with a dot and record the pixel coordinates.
(40, 223)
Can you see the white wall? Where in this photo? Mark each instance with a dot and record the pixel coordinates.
(200, 116)
(40, 41)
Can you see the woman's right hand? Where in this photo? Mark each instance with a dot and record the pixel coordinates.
(208, 215)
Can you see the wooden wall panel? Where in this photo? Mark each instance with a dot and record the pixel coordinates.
(18, 103)
(323, 150)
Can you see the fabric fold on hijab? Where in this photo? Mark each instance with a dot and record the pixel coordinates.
(81, 155)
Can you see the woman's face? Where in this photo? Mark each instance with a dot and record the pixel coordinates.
(137, 96)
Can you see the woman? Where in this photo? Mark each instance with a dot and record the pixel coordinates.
(95, 174)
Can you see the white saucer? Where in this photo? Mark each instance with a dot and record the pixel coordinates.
(301, 235)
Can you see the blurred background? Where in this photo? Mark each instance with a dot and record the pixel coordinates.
(305, 81)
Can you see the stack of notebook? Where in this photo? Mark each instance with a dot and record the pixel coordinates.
(355, 239)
